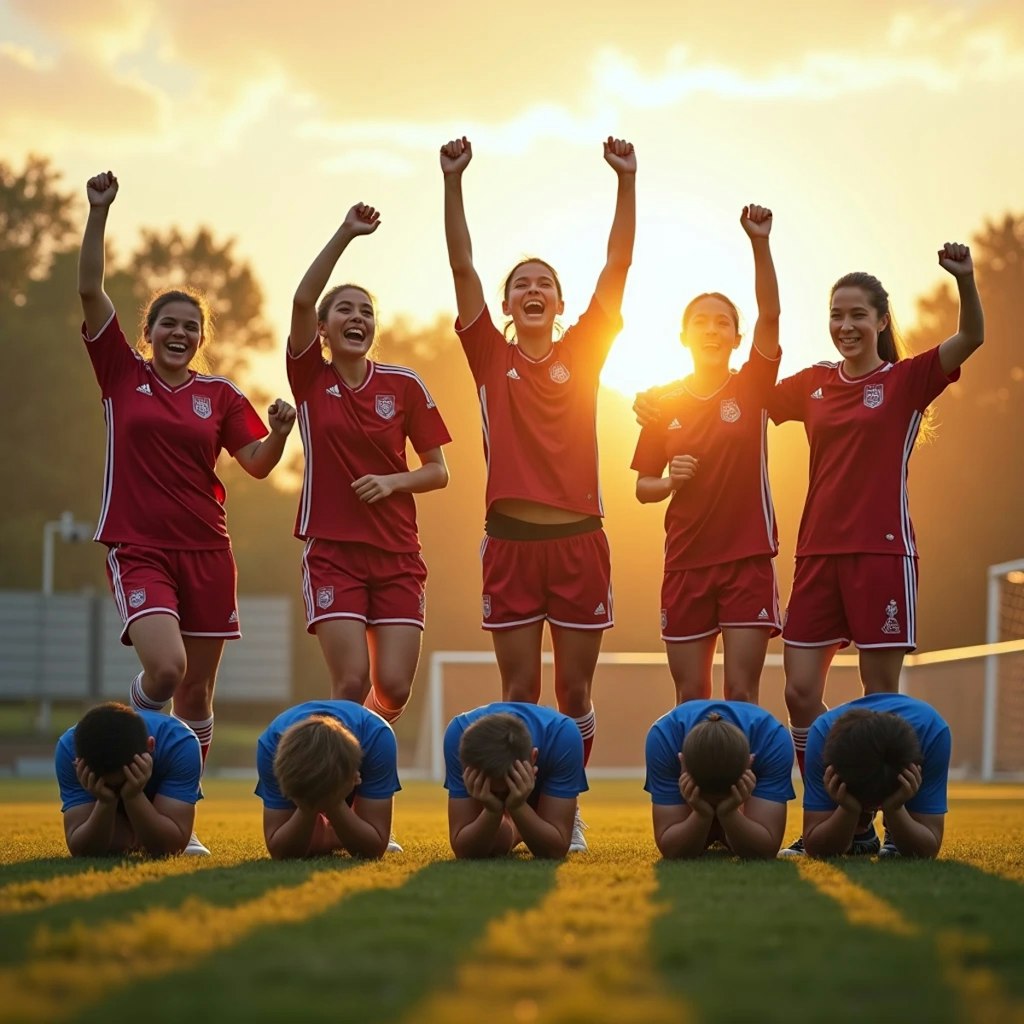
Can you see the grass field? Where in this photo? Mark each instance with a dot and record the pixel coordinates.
(611, 936)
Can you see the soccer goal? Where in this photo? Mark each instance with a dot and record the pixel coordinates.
(979, 690)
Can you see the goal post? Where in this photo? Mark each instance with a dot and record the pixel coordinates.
(634, 688)
(1004, 622)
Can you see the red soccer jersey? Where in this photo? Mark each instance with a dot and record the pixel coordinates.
(159, 484)
(540, 415)
(861, 431)
(725, 512)
(348, 433)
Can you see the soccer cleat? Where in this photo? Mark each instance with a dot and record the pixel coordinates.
(866, 843)
(393, 846)
(889, 848)
(795, 849)
(578, 843)
(194, 848)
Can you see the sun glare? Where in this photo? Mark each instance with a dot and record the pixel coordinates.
(649, 351)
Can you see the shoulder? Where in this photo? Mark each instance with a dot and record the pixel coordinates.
(228, 387)
(403, 377)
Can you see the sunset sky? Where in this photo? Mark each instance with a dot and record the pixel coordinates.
(875, 131)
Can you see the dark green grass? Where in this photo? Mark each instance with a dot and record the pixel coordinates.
(370, 958)
(730, 942)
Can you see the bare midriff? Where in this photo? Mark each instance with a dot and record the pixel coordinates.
(535, 511)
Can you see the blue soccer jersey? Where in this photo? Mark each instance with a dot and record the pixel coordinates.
(378, 772)
(932, 734)
(556, 737)
(769, 739)
(177, 763)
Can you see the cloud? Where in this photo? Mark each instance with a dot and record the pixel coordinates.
(71, 95)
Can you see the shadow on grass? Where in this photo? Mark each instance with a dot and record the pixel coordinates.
(942, 897)
(222, 887)
(42, 869)
(370, 958)
(754, 941)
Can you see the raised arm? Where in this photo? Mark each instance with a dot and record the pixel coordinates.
(469, 293)
(260, 457)
(360, 220)
(612, 282)
(757, 223)
(96, 305)
(953, 352)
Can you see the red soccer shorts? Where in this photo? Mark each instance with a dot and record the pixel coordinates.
(869, 599)
(348, 580)
(697, 603)
(566, 580)
(197, 587)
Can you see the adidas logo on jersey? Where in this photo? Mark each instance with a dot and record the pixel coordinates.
(144, 389)
(512, 375)
(675, 425)
(233, 617)
(763, 614)
(817, 393)
(334, 390)
(600, 609)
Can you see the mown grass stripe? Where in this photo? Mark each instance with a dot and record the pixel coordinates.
(83, 963)
(20, 897)
(981, 992)
(860, 906)
(583, 953)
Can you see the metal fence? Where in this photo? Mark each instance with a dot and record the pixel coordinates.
(67, 647)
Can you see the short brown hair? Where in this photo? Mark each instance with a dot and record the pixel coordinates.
(493, 743)
(716, 753)
(868, 750)
(316, 759)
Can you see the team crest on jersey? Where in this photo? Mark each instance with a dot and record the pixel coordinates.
(487, 606)
(559, 372)
(325, 597)
(730, 410)
(873, 395)
(137, 598)
(385, 405)
(891, 623)
(201, 406)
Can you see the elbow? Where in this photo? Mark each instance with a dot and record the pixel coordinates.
(277, 851)
(443, 478)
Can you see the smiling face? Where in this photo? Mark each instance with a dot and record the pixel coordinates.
(175, 332)
(855, 324)
(710, 331)
(348, 322)
(533, 298)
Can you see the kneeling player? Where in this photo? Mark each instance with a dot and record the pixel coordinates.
(513, 772)
(887, 752)
(719, 771)
(327, 777)
(129, 781)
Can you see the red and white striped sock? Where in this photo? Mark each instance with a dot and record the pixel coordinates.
(203, 728)
(373, 703)
(587, 725)
(799, 744)
(140, 700)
